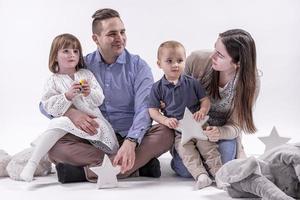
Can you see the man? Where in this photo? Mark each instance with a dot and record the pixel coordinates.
(126, 81)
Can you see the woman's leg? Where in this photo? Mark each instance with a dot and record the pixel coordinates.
(227, 149)
(178, 166)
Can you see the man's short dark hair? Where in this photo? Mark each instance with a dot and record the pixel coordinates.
(102, 14)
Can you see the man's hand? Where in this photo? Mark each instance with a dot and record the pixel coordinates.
(125, 156)
(82, 121)
(213, 133)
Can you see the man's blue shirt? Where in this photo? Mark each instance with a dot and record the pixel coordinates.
(126, 86)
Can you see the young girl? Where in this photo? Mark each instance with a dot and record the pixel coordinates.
(70, 85)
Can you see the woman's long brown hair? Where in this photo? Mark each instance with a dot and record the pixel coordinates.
(241, 48)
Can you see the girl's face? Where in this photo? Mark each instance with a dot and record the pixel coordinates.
(67, 59)
(221, 61)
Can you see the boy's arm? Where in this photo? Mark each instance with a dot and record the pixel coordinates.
(157, 116)
(204, 108)
(205, 105)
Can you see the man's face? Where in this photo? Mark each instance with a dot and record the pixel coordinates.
(111, 39)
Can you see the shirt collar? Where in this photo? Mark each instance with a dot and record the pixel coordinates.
(166, 82)
(120, 60)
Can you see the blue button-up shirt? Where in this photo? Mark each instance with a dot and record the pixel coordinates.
(126, 86)
(186, 93)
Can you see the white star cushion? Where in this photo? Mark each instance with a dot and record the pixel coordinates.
(107, 174)
(190, 128)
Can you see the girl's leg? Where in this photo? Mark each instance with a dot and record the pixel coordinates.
(227, 149)
(45, 143)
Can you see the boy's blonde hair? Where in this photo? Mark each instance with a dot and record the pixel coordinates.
(169, 44)
(65, 40)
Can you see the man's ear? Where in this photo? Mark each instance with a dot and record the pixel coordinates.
(95, 39)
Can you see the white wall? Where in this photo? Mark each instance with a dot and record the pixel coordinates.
(28, 27)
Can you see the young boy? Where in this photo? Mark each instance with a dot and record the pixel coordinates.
(178, 91)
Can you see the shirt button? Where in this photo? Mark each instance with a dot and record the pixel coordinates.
(106, 84)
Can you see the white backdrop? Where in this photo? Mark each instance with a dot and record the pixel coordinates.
(28, 27)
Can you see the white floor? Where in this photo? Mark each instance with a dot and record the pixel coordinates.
(167, 186)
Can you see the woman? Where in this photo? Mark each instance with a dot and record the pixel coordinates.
(229, 75)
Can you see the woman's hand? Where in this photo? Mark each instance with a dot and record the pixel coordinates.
(213, 133)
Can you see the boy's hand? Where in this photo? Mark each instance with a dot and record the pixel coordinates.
(73, 91)
(199, 115)
(171, 122)
(85, 87)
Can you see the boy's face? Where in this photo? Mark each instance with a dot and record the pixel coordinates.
(172, 62)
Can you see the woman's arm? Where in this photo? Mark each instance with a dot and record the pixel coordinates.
(197, 62)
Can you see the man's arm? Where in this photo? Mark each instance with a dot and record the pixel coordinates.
(142, 86)
(43, 111)
(141, 121)
(80, 119)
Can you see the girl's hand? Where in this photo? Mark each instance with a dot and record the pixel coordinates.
(85, 88)
(171, 122)
(213, 133)
(73, 91)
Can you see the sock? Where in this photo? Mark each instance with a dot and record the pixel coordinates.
(69, 174)
(151, 169)
(203, 181)
(28, 171)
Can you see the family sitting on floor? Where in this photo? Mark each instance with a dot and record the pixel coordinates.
(104, 103)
